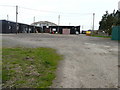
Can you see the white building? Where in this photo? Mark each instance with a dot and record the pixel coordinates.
(44, 23)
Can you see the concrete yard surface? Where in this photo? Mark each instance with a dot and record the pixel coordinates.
(89, 62)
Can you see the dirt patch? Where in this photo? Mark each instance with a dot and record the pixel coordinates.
(89, 62)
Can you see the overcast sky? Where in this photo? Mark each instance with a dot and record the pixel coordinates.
(72, 12)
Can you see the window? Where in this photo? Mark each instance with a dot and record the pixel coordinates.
(54, 29)
(9, 27)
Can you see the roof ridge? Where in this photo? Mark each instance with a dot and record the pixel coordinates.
(44, 22)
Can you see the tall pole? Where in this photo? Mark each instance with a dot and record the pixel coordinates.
(34, 23)
(93, 22)
(82, 27)
(7, 17)
(16, 19)
(58, 20)
(69, 24)
(119, 6)
(34, 20)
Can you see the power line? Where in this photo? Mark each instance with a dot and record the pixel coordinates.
(47, 11)
(68, 14)
(7, 6)
(53, 11)
(39, 10)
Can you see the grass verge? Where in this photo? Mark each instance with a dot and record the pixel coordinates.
(101, 36)
(29, 67)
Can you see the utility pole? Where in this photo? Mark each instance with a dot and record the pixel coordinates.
(82, 27)
(34, 19)
(34, 23)
(7, 17)
(119, 6)
(58, 22)
(16, 19)
(93, 22)
(69, 24)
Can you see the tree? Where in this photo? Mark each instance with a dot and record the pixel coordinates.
(103, 22)
(117, 17)
(108, 21)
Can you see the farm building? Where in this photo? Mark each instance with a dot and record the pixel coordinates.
(10, 27)
(62, 29)
(43, 23)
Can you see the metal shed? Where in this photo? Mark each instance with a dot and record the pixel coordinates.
(10, 27)
(62, 29)
(7, 26)
(116, 33)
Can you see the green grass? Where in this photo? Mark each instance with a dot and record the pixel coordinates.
(29, 67)
(101, 36)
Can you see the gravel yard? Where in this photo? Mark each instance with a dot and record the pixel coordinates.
(89, 62)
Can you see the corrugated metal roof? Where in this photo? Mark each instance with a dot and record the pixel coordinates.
(45, 22)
